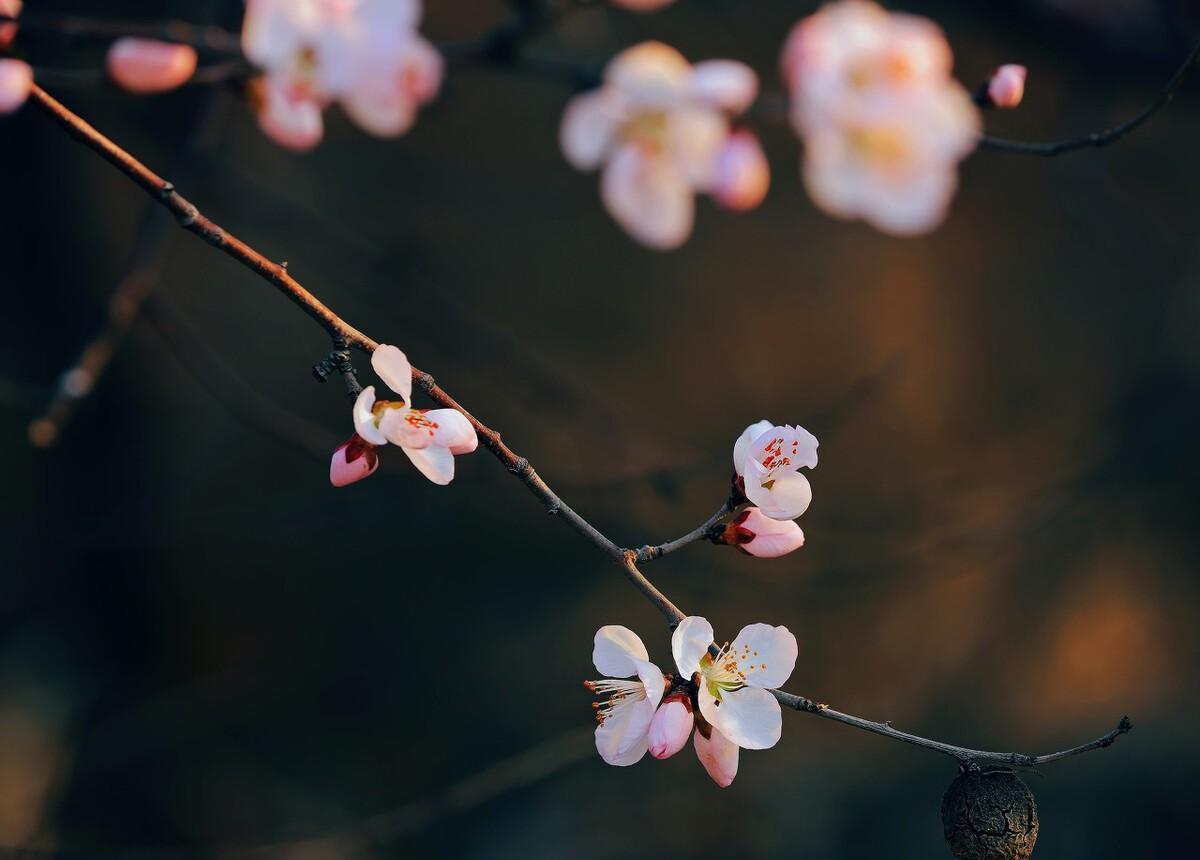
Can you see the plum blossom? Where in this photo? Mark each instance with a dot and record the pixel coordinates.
(16, 80)
(8, 30)
(884, 124)
(150, 66)
(1006, 86)
(642, 5)
(353, 460)
(734, 689)
(623, 720)
(743, 175)
(754, 533)
(767, 458)
(430, 437)
(364, 54)
(658, 127)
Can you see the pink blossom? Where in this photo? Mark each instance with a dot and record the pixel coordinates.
(1006, 87)
(642, 5)
(16, 79)
(671, 726)
(757, 534)
(150, 66)
(718, 754)
(883, 122)
(743, 174)
(8, 32)
(657, 127)
(353, 460)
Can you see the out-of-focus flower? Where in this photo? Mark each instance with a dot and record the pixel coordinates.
(8, 31)
(754, 533)
(743, 175)
(734, 695)
(642, 5)
(354, 459)
(624, 718)
(150, 66)
(671, 726)
(767, 459)
(365, 54)
(430, 437)
(1006, 87)
(658, 127)
(16, 79)
(884, 124)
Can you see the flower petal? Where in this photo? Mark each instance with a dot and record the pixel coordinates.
(743, 448)
(771, 654)
(650, 73)
(725, 84)
(754, 533)
(742, 173)
(621, 738)
(695, 136)
(649, 196)
(150, 66)
(652, 679)
(393, 368)
(689, 643)
(750, 717)
(719, 755)
(588, 126)
(289, 120)
(16, 80)
(615, 651)
(435, 463)
(364, 417)
(788, 497)
(453, 431)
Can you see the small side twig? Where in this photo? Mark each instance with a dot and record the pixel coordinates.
(700, 532)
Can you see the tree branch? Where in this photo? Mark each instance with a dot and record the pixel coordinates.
(190, 219)
(649, 553)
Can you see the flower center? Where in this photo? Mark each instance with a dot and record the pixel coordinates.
(886, 146)
(621, 693)
(774, 459)
(646, 128)
(729, 670)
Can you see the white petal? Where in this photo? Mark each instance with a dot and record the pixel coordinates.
(695, 137)
(435, 463)
(649, 196)
(770, 654)
(608, 747)
(719, 755)
(750, 717)
(405, 427)
(380, 108)
(650, 73)
(725, 84)
(744, 446)
(364, 419)
(624, 731)
(760, 536)
(789, 496)
(689, 643)
(653, 680)
(615, 651)
(453, 431)
(393, 368)
(588, 126)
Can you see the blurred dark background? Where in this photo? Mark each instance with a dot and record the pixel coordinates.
(204, 648)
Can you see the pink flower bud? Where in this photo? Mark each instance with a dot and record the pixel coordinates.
(16, 78)
(743, 175)
(642, 5)
(670, 727)
(1007, 86)
(719, 755)
(150, 66)
(353, 460)
(756, 534)
(8, 32)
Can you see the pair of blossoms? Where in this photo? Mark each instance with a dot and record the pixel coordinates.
(766, 457)
(724, 694)
(884, 125)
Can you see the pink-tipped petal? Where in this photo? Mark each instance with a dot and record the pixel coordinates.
(671, 726)
(757, 534)
(1007, 86)
(453, 431)
(719, 755)
(16, 79)
(150, 66)
(353, 460)
(650, 197)
(291, 120)
(743, 175)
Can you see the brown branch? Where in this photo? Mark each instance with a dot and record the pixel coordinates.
(649, 553)
(190, 218)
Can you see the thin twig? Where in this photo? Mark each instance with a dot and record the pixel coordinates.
(190, 218)
(1098, 138)
(649, 553)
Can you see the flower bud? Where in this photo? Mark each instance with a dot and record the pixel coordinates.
(1006, 87)
(718, 754)
(743, 175)
(671, 726)
(353, 460)
(16, 79)
(8, 31)
(756, 534)
(990, 815)
(150, 66)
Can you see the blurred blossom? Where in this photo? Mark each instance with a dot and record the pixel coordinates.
(8, 32)
(32, 758)
(658, 127)
(734, 694)
(430, 437)
(1006, 87)
(743, 175)
(883, 122)
(642, 5)
(16, 78)
(754, 533)
(767, 459)
(353, 460)
(624, 718)
(364, 54)
(150, 66)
